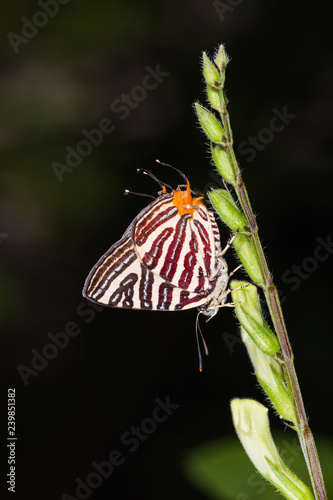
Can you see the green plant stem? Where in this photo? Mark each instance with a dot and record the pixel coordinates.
(287, 357)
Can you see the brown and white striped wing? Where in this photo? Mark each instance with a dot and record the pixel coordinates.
(106, 282)
(164, 261)
(180, 249)
(119, 279)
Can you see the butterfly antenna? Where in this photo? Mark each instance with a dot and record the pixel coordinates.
(126, 192)
(174, 168)
(197, 331)
(160, 183)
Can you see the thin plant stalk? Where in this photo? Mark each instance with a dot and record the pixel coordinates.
(286, 356)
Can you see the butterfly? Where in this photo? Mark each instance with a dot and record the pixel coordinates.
(168, 259)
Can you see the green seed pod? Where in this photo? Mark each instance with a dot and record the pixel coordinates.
(251, 423)
(248, 311)
(227, 209)
(210, 71)
(214, 98)
(221, 59)
(247, 253)
(221, 158)
(210, 124)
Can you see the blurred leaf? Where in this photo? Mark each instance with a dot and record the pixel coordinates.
(222, 470)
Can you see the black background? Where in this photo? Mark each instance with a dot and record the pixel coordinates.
(63, 80)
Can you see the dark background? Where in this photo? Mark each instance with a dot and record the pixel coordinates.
(64, 79)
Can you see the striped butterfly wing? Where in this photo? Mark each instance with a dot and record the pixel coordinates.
(166, 259)
(179, 248)
(106, 282)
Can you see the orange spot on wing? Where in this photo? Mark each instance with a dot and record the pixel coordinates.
(185, 202)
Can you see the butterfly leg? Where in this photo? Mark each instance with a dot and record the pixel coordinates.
(228, 304)
(229, 243)
(232, 304)
(235, 270)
